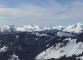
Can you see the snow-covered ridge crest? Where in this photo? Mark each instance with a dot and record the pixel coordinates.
(14, 28)
(8, 28)
(76, 28)
(30, 28)
(60, 27)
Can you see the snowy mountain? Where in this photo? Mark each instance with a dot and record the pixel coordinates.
(30, 42)
(9, 29)
(76, 28)
(32, 28)
(13, 28)
(59, 27)
(47, 28)
(69, 49)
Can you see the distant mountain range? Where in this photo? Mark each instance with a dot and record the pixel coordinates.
(76, 28)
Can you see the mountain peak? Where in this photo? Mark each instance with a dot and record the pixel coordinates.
(8, 28)
(29, 26)
(60, 27)
(77, 28)
(79, 24)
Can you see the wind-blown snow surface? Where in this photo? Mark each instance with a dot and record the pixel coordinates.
(69, 49)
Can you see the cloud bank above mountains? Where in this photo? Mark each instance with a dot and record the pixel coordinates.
(40, 12)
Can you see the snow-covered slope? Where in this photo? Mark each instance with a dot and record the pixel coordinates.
(47, 28)
(76, 28)
(61, 33)
(69, 49)
(32, 28)
(13, 28)
(56, 27)
(59, 27)
(9, 28)
(13, 57)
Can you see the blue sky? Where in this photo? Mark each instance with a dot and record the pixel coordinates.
(41, 12)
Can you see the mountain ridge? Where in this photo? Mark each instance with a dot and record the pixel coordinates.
(28, 43)
(75, 28)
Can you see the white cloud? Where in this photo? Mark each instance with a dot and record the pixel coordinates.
(74, 10)
(49, 11)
